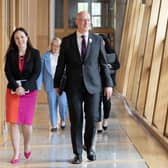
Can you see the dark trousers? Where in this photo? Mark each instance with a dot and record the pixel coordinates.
(81, 104)
(105, 113)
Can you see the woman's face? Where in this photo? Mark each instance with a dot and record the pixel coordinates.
(21, 39)
(55, 46)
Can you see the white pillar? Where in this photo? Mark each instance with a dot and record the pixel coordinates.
(52, 20)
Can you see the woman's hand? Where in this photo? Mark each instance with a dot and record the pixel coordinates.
(20, 91)
(108, 91)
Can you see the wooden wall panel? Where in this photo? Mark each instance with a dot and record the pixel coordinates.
(29, 19)
(43, 36)
(125, 43)
(33, 18)
(43, 28)
(156, 60)
(12, 10)
(18, 13)
(134, 59)
(25, 14)
(144, 61)
(4, 36)
(130, 46)
(120, 13)
(1, 62)
(140, 54)
(159, 119)
(166, 127)
(130, 57)
(148, 56)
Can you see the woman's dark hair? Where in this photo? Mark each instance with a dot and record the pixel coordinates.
(13, 46)
(108, 46)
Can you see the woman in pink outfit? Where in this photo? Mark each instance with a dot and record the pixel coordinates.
(22, 68)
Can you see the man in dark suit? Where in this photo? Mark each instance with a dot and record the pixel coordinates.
(82, 54)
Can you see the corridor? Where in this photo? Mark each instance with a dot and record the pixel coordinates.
(124, 145)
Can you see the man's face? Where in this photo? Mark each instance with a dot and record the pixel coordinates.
(83, 22)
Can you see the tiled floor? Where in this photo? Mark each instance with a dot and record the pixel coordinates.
(114, 148)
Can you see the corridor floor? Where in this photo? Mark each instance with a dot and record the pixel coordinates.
(116, 147)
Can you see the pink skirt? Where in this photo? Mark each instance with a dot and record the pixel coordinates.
(20, 109)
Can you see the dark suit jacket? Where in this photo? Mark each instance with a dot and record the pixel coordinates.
(30, 72)
(87, 71)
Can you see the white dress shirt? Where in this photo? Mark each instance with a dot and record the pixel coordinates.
(79, 40)
(53, 62)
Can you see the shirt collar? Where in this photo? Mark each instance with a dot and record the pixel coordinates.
(79, 34)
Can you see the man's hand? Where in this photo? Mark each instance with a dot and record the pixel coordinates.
(108, 91)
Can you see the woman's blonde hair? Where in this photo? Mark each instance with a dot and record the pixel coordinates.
(55, 39)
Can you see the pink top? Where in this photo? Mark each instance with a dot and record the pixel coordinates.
(21, 63)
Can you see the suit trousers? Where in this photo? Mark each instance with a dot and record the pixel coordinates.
(83, 105)
(57, 103)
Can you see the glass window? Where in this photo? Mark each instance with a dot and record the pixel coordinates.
(96, 8)
(96, 14)
(82, 6)
(102, 12)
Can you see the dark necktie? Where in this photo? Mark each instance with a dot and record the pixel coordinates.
(83, 47)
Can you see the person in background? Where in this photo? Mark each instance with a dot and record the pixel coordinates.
(82, 53)
(114, 65)
(56, 102)
(22, 68)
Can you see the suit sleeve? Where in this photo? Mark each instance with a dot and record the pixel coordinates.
(60, 65)
(104, 69)
(9, 73)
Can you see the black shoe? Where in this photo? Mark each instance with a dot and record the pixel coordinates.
(91, 155)
(62, 127)
(99, 131)
(53, 129)
(105, 127)
(77, 160)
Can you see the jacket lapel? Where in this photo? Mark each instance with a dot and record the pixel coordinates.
(75, 46)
